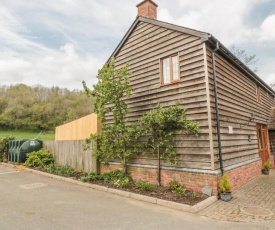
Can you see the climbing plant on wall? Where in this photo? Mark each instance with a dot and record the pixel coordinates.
(158, 127)
(112, 89)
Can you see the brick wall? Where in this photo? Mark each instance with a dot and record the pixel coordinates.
(193, 180)
(243, 174)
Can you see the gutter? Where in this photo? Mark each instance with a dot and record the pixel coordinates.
(239, 64)
(217, 105)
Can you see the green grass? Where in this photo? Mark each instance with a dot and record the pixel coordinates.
(27, 135)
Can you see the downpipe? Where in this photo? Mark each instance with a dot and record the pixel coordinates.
(217, 106)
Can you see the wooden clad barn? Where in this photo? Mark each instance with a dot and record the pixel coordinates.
(231, 104)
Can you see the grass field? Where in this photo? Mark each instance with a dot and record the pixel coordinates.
(27, 135)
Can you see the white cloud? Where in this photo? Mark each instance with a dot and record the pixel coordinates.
(270, 78)
(266, 31)
(65, 69)
(66, 41)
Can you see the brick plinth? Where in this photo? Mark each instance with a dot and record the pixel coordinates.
(192, 180)
(243, 174)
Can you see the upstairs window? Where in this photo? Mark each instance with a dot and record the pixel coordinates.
(169, 70)
(258, 93)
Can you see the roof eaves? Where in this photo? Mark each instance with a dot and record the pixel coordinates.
(238, 63)
(132, 27)
(138, 19)
(175, 27)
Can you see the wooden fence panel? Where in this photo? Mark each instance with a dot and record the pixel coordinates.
(79, 129)
(72, 153)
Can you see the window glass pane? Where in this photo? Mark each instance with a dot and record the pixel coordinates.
(166, 70)
(175, 68)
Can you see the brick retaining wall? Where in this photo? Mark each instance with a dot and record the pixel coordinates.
(192, 180)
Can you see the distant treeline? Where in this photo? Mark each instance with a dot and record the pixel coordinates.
(39, 108)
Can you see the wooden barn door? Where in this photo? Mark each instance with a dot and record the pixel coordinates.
(263, 142)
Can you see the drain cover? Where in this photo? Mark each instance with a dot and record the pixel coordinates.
(256, 211)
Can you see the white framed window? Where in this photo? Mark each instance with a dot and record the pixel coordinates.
(169, 69)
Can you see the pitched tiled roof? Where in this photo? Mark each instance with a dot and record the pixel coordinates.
(271, 124)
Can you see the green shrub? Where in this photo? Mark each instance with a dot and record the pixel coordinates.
(176, 187)
(61, 170)
(4, 144)
(90, 177)
(145, 186)
(123, 182)
(224, 185)
(116, 177)
(39, 159)
(267, 164)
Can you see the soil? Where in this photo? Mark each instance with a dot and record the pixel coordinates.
(160, 192)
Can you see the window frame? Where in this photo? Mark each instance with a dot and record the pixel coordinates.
(172, 81)
(258, 94)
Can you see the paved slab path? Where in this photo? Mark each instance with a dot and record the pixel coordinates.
(257, 196)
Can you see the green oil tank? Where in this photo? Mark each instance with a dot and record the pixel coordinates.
(28, 147)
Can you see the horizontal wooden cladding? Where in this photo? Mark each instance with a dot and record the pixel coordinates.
(237, 102)
(182, 164)
(185, 100)
(272, 141)
(242, 108)
(139, 59)
(152, 81)
(142, 51)
(235, 160)
(237, 131)
(141, 29)
(192, 84)
(233, 155)
(231, 94)
(154, 40)
(236, 143)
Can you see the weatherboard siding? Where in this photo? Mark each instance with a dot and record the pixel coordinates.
(237, 101)
(143, 49)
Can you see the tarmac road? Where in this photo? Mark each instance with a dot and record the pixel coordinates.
(31, 202)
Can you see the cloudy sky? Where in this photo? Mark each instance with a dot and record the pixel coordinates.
(62, 42)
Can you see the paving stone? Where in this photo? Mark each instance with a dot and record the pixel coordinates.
(257, 193)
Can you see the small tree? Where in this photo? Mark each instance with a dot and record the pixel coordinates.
(224, 185)
(111, 90)
(159, 126)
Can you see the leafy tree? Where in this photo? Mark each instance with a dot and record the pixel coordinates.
(158, 126)
(112, 88)
(249, 60)
(40, 108)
